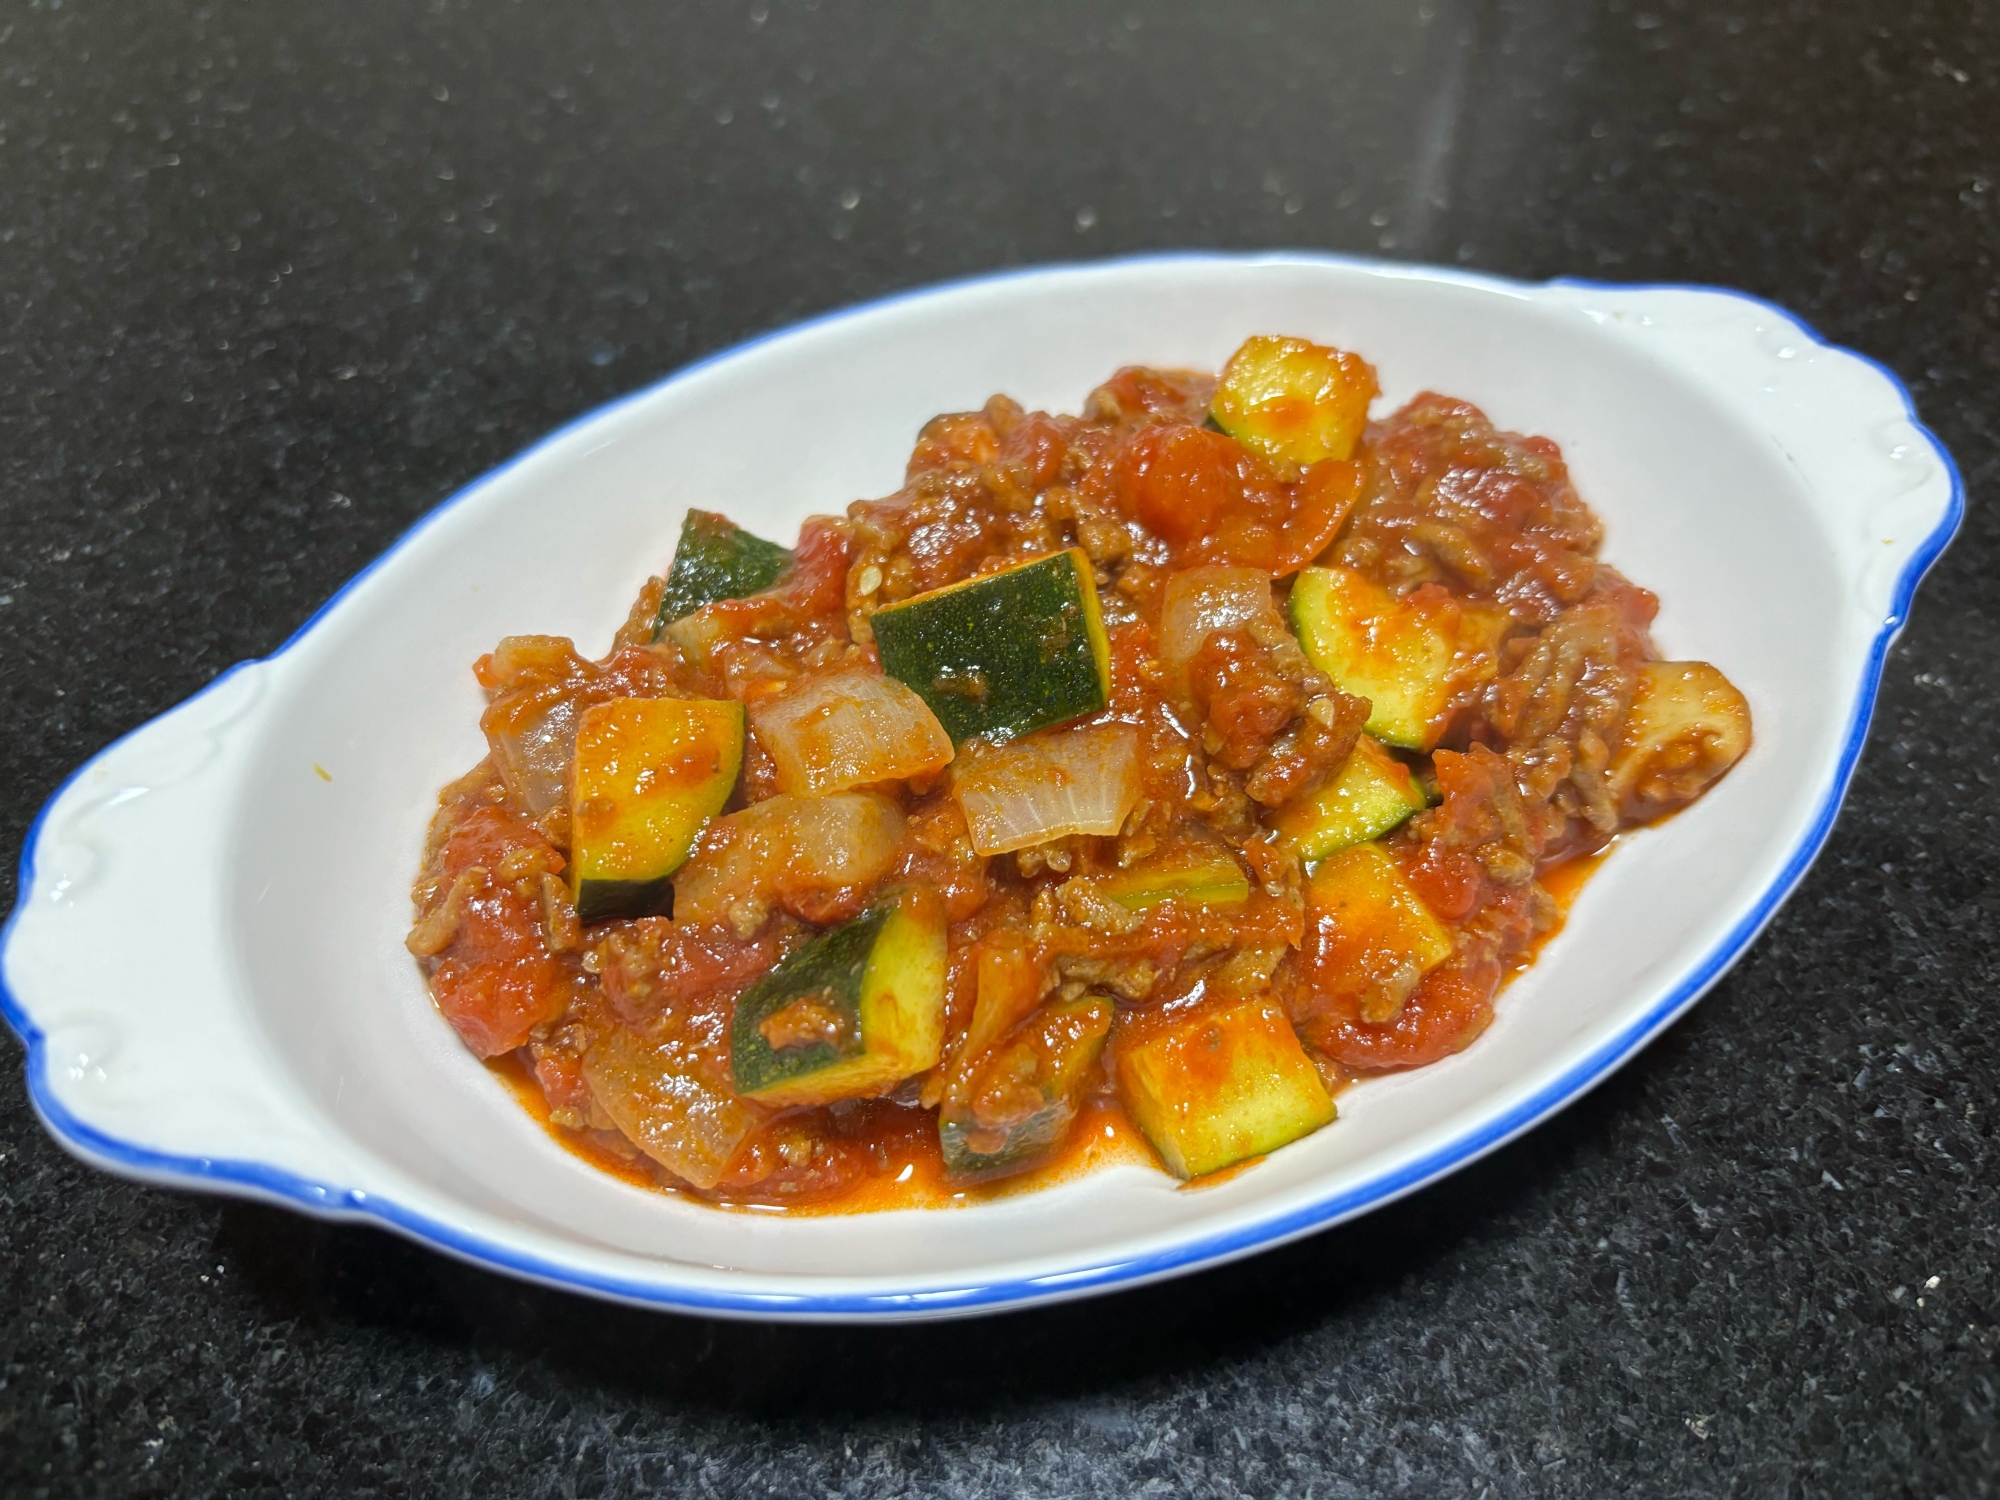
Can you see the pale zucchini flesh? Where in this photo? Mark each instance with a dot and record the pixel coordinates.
(1410, 660)
(871, 994)
(1373, 936)
(1206, 875)
(1372, 794)
(1221, 1087)
(1294, 400)
(649, 774)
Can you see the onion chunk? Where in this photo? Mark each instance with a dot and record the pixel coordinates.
(1201, 601)
(847, 729)
(1050, 785)
(786, 849)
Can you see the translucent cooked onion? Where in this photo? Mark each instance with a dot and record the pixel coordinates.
(786, 847)
(670, 1092)
(1201, 601)
(534, 753)
(1049, 785)
(847, 729)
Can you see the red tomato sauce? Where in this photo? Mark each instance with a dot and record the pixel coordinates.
(621, 1035)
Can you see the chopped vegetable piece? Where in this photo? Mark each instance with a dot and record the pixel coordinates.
(849, 728)
(850, 1014)
(1007, 988)
(1372, 937)
(1200, 601)
(650, 772)
(1008, 852)
(1219, 502)
(716, 559)
(807, 596)
(1006, 653)
(1198, 871)
(1055, 784)
(1371, 794)
(1294, 400)
(1223, 1085)
(534, 750)
(1184, 483)
(539, 687)
(814, 855)
(1411, 658)
(484, 938)
(1023, 1097)
(668, 1090)
(1687, 725)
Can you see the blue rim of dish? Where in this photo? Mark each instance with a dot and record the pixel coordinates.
(254, 1179)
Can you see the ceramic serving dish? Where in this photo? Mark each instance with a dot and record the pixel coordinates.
(206, 961)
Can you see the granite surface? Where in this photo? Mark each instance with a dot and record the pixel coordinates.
(277, 277)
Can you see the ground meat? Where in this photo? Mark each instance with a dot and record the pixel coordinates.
(1315, 747)
(650, 963)
(1560, 706)
(1479, 837)
(481, 929)
(1246, 702)
(1448, 498)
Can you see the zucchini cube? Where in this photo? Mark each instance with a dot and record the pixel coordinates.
(851, 1013)
(1371, 936)
(1205, 875)
(649, 774)
(1221, 1086)
(1004, 654)
(1293, 400)
(1031, 1081)
(1369, 796)
(1409, 657)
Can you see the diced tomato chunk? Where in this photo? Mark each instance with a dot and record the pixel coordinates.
(1449, 1007)
(1218, 502)
(496, 980)
(1181, 482)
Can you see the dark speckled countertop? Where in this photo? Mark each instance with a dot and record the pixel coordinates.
(277, 277)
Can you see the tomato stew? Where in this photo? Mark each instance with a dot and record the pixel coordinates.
(1138, 776)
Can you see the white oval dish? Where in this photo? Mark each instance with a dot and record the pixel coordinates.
(206, 959)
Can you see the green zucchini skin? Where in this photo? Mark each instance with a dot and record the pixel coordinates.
(716, 559)
(879, 978)
(1408, 661)
(832, 965)
(601, 900)
(1065, 1039)
(1026, 1143)
(1006, 654)
(1373, 794)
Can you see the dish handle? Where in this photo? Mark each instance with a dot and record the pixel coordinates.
(122, 897)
